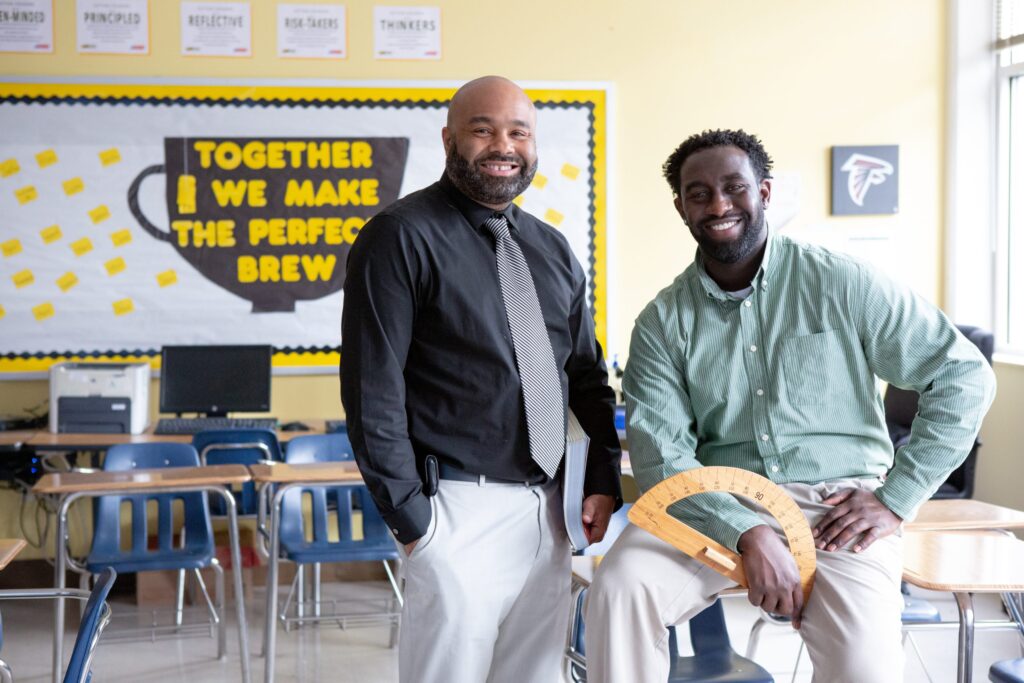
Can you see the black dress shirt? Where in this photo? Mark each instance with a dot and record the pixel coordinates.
(427, 365)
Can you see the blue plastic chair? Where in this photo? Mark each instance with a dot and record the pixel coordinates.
(313, 546)
(713, 659)
(1007, 671)
(237, 447)
(94, 620)
(195, 547)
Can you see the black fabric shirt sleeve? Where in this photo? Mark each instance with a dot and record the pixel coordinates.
(591, 399)
(381, 285)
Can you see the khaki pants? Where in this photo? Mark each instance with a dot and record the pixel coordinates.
(851, 624)
(487, 588)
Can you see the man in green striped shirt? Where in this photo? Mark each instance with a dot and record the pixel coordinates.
(765, 354)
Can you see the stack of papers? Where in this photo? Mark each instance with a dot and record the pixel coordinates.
(577, 443)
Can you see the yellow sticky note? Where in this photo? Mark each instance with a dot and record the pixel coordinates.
(518, 201)
(166, 278)
(571, 172)
(110, 156)
(539, 181)
(123, 306)
(67, 281)
(26, 194)
(121, 237)
(553, 217)
(82, 246)
(51, 234)
(2, 312)
(9, 167)
(73, 186)
(115, 266)
(23, 278)
(43, 311)
(46, 158)
(10, 248)
(99, 214)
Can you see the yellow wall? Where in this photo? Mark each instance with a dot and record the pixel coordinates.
(803, 74)
(1000, 462)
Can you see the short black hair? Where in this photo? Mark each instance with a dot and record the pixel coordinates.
(759, 159)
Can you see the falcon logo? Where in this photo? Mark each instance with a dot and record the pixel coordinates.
(863, 172)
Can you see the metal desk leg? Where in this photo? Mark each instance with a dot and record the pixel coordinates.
(236, 564)
(270, 637)
(965, 654)
(58, 582)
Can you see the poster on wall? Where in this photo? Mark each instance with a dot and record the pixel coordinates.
(112, 26)
(406, 32)
(216, 29)
(311, 31)
(141, 216)
(26, 26)
(865, 180)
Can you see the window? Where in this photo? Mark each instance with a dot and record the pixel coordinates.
(1009, 285)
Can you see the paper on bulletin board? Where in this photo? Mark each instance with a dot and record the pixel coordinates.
(139, 216)
(406, 32)
(216, 29)
(26, 26)
(112, 26)
(311, 31)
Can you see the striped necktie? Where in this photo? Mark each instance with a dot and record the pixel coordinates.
(538, 375)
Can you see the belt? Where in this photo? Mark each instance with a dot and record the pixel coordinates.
(446, 471)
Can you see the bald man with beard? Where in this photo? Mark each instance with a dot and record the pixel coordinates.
(433, 353)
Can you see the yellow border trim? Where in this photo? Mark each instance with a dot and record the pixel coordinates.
(596, 98)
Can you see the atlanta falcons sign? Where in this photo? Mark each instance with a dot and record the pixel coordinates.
(864, 179)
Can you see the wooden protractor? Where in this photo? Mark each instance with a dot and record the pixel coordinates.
(650, 514)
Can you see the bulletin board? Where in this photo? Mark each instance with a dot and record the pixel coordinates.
(137, 216)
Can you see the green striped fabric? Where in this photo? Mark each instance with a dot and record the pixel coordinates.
(783, 382)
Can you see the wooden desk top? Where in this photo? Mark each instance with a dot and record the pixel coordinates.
(141, 480)
(313, 473)
(960, 561)
(9, 549)
(46, 440)
(936, 515)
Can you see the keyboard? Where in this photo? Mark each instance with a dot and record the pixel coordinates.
(194, 425)
(331, 426)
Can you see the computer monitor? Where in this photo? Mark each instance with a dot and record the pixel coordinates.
(215, 380)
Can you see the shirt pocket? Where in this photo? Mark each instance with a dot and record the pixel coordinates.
(809, 365)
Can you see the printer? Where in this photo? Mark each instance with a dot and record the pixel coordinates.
(99, 398)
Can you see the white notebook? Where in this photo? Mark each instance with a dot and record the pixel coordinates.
(577, 443)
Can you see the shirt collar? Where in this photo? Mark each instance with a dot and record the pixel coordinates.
(761, 279)
(476, 213)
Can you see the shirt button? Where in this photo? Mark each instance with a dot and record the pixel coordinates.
(747, 304)
(394, 531)
(775, 468)
(764, 285)
(764, 437)
(760, 392)
(753, 348)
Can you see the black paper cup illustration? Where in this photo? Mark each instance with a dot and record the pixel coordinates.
(272, 219)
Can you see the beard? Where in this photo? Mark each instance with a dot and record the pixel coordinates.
(737, 250)
(488, 189)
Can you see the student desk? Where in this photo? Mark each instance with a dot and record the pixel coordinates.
(287, 477)
(964, 563)
(44, 440)
(947, 515)
(70, 486)
(9, 549)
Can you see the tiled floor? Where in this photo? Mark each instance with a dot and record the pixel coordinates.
(361, 655)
